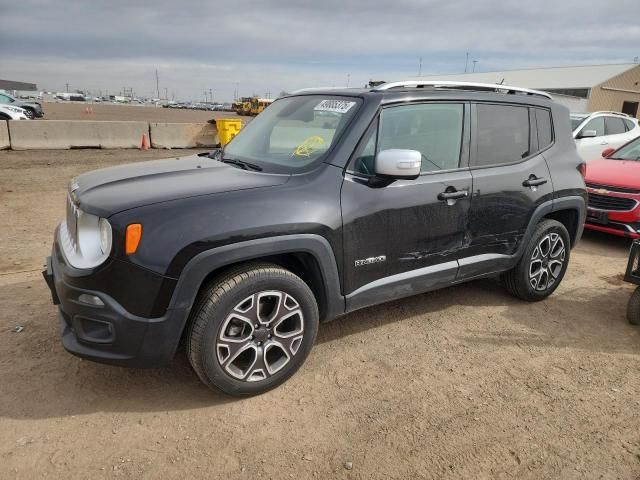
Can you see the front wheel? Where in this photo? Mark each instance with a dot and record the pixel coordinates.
(252, 329)
(29, 113)
(542, 265)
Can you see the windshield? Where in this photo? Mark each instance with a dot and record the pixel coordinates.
(630, 151)
(292, 132)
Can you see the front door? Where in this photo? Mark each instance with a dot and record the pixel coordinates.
(404, 237)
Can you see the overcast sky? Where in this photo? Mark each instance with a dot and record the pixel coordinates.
(273, 45)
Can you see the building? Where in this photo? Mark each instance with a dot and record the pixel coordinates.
(587, 88)
(13, 85)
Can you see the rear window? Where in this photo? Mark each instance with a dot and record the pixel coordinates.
(503, 134)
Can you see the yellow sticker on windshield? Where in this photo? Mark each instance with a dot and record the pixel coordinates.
(306, 148)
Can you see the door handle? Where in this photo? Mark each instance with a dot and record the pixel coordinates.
(534, 181)
(453, 195)
(604, 142)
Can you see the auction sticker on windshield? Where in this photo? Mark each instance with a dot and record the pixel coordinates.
(336, 106)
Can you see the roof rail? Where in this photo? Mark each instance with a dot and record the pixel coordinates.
(491, 87)
(611, 112)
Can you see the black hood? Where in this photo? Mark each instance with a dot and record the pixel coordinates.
(111, 190)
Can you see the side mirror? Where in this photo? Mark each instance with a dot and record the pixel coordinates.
(588, 134)
(606, 153)
(399, 164)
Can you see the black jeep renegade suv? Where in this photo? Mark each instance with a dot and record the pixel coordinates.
(329, 201)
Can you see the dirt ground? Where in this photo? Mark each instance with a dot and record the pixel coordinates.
(462, 383)
(125, 112)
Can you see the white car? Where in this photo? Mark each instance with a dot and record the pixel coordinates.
(9, 112)
(595, 132)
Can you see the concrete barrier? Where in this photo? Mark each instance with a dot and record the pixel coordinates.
(65, 134)
(183, 135)
(4, 135)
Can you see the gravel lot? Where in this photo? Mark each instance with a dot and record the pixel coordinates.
(125, 112)
(462, 383)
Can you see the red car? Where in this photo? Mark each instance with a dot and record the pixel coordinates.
(613, 184)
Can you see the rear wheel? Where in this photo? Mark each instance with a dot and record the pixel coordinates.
(4, 116)
(252, 329)
(542, 265)
(633, 307)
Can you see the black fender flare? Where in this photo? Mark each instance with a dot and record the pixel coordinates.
(200, 266)
(557, 204)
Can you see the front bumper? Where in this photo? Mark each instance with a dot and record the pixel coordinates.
(108, 333)
(623, 223)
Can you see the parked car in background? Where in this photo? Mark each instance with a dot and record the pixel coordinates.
(9, 112)
(32, 109)
(613, 184)
(594, 132)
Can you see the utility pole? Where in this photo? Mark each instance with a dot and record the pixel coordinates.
(474, 65)
(166, 93)
(466, 63)
(348, 79)
(211, 94)
(157, 85)
(420, 67)
(67, 85)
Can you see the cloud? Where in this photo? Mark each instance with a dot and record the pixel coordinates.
(274, 45)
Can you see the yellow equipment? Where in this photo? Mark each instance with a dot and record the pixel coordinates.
(227, 129)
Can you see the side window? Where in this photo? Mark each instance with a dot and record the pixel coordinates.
(503, 134)
(4, 99)
(545, 129)
(629, 124)
(433, 129)
(614, 125)
(365, 161)
(596, 124)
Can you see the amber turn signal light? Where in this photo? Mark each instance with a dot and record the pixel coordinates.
(132, 238)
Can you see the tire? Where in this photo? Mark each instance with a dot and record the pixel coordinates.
(4, 116)
(633, 307)
(30, 114)
(548, 249)
(251, 329)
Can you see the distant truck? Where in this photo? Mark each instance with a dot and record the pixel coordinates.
(115, 98)
(71, 97)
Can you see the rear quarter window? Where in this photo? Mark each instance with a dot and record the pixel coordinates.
(545, 128)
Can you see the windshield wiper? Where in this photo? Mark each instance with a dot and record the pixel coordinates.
(242, 164)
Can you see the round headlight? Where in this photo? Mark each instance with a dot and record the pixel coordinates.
(105, 236)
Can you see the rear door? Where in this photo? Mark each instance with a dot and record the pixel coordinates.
(404, 237)
(510, 180)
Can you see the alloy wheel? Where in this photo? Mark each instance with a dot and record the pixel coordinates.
(260, 336)
(547, 262)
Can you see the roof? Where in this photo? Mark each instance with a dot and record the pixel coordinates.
(411, 94)
(586, 76)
